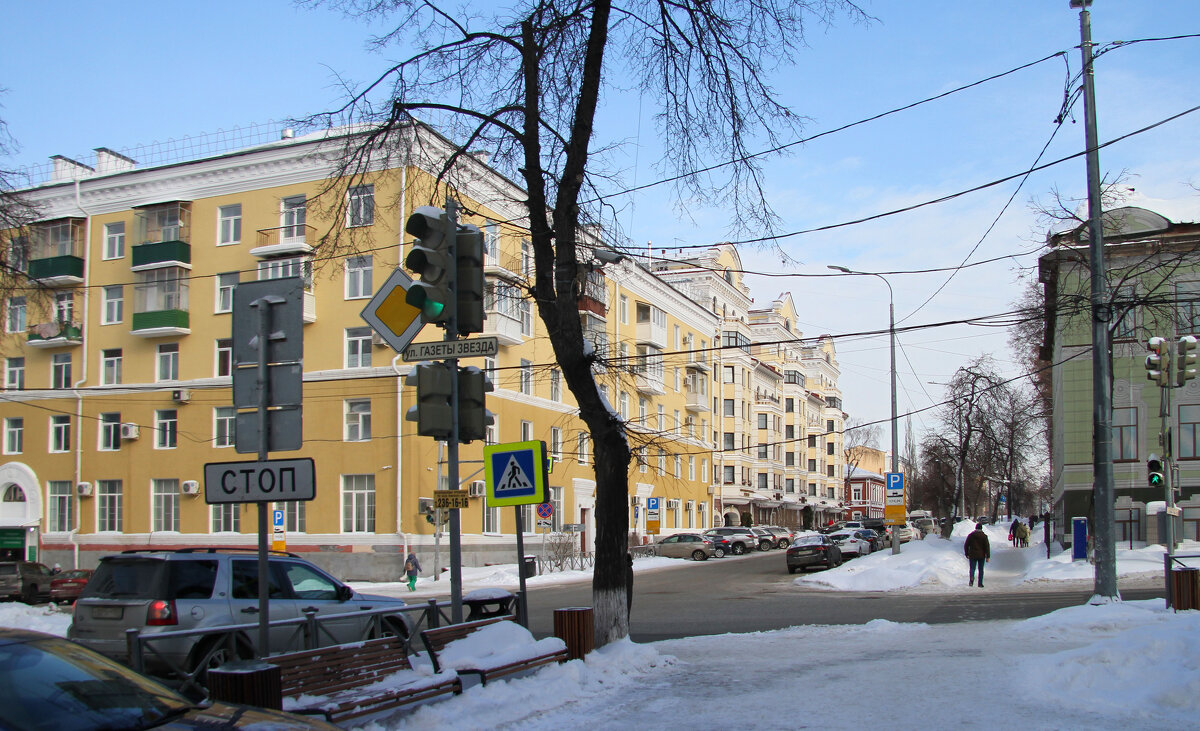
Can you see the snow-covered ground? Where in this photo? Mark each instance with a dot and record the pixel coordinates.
(1126, 665)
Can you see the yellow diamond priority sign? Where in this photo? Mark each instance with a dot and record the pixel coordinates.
(396, 321)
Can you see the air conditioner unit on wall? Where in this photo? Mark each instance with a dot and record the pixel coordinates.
(190, 487)
(84, 489)
(478, 488)
(130, 430)
(672, 505)
(691, 505)
(635, 500)
(181, 395)
(377, 340)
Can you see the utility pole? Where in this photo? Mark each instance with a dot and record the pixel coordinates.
(1104, 523)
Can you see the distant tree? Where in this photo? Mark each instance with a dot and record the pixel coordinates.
(17, 212)
(523, 83)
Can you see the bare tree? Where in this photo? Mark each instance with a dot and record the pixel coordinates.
(524, 84)
(17, 212)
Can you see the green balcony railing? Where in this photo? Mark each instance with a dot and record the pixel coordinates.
(160, 319)
(163, 252)
(55, 267)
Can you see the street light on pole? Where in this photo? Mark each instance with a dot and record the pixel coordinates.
(892, 338)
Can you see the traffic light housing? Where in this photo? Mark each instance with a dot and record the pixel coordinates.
(1158, 363)
(430, 257)
(473, 416)
(1185, 359)
(468, 282)
(432, 410)
(1154, 471)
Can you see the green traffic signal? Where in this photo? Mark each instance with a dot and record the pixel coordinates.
(1154, 471)
(430, 259)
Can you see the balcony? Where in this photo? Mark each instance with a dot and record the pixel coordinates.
(697, 401)
(56, 254)
(652, 333)
(55, 334)
(160, 323)
(505, 328)
(160, 254)
(698, 362)
(285, 241)
(57, 271)
(649, 383)
(162, 233)
(160, 304)
(594, 297)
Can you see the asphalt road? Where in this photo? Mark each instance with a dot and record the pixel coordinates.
(754, 593)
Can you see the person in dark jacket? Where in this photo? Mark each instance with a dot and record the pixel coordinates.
(412, 568)
(978, 551)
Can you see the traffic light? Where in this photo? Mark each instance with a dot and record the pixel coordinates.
(468, 281)
(432, 410)
(1154, 471)
(1158, 363)
(430, 258)
(1185, 359)
(473, 416)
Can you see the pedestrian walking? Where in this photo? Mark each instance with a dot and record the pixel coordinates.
(978, 551)
(1022, 531)
(412, 567)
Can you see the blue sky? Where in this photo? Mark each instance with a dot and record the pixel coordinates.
(84, 75)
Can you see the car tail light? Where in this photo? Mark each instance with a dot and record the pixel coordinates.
(161, 612)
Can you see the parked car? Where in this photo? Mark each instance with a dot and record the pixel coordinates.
(903, 533)
(24, 580)
(163, 590)
(853, 525)
(62, 685)
(813, 550)
(740, 539)
(832, 527)
(877, 540)
(851, 542)
(686, 545)
(782, 535)
(721, 546)
(67, 585)
(766, 539)
(927, 526)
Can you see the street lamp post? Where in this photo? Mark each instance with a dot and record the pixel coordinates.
(892, 338)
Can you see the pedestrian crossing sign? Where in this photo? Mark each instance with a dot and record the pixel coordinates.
(515, 473)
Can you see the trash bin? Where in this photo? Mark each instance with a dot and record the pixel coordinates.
(529, 567)
(1185, 588)
(576, 627)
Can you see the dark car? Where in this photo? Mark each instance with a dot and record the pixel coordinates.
(67, 585)
(24, 580)
(813, 550)
(740, 540)
(877, 541)
(722, 546)
(52, 683)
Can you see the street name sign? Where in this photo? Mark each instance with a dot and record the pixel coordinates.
(451, 500)
(445, 349)
(273, 480)
(388, 314)
(515, 473)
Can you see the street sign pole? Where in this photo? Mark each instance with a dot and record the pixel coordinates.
(263, 305)
(522, 613)
(456, 610)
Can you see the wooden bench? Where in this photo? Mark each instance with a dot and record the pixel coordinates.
(342, 675)
(437, 638)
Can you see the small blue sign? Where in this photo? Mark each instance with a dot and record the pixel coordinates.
(651, 503)
(277, 519)
(515, 473)
(895, 481)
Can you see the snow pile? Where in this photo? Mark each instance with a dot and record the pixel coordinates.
(494, 645)
(49, 619)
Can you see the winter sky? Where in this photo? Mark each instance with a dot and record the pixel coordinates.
(84, 75)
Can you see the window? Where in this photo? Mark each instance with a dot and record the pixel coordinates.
(555, 384)
(358, 503)
(527, 269)
(114, 240)
(640, 452)
(762, 451)
(110, 431)
(1189, 431)
(292, 219)
(623, 309)
(730, 444)
(829, 448)
(581, 453)
(762, 421)
(110, 367)
(642, 405)
(14, 374)
(623, 406)
(360, 206)
(224, 357)
(1124, 433)
(789, 459)
(526, 375)
(527, 521)
(677, 380)
(291, 266)
(168, 362)
(1125, 306)
(226, 518)
(729, 374)
(662, 461)
(491, 241)
(113, 310)
(556, 496)
(812, 489)
(789, 405)
(159, 290)
(829, 473)
(526, 430)
(108, 506)
(358, 420)
(789, 432)
(225, 284)
(58, 506)
(224, 426)
(358, 347)
(729, 476)
(662, 418)
(812, 440)
(491, 517)
(525, 311)
(812, 465)
(762, 480)
(14, 322)
(691, 467)
(678, 466)
(229, 224)
(358, 277)
(164, 505)
(166, 428)
(14, 435)
(1187, 297)
(829, 426)
(60, 433)
(556, 443)
(677, 421)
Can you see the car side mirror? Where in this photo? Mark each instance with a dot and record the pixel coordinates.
(344, 593)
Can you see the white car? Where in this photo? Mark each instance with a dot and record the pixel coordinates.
(851, 541)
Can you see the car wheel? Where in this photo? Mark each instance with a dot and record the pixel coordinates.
(699, 555)
(783, 543)
(791, 569)
(213, 652)
(29, 596)
(763, 546)
(739, 549)
(719, 552)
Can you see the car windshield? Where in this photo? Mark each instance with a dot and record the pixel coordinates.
(152, 578)
(63, 687)
(808, 541)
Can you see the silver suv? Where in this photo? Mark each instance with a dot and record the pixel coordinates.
(740, 540)
(163, 591)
